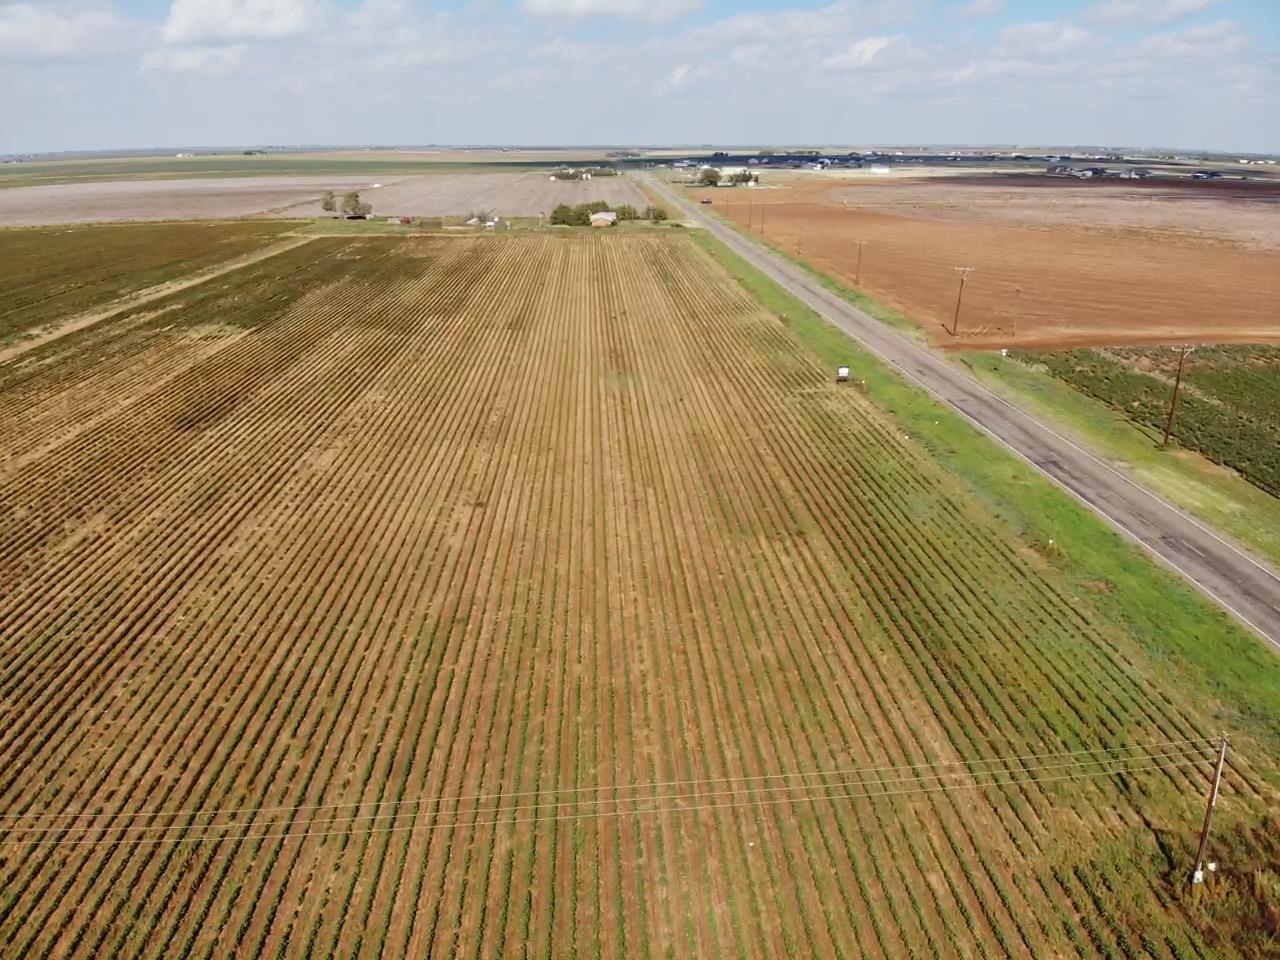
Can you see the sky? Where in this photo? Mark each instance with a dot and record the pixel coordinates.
(115, 74)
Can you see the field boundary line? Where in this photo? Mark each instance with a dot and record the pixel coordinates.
(56, 331)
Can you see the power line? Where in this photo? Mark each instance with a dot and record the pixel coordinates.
(598, 815)
(651, 785)
(476, 811)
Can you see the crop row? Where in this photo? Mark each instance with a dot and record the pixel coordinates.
(516, 516)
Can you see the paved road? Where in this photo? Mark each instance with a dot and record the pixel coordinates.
(1242, 585)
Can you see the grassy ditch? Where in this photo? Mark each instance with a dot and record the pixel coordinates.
(1184, 634)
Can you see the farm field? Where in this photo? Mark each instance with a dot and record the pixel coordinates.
(509, 193)
(1054, 266)
(1228, 409)
(379, 164)
(1215, 210)
(50, 275)
(505, 194)
(538, 595)
(175, 199)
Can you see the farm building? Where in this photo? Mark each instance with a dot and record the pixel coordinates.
(604, 219)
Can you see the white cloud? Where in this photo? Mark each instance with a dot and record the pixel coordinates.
(576, 53)
(982, 8)
(219, 21)
(1006, 70)
(681, 76)
(642, 11)
(869, 51)
(206, 60)
(839, 20)
(1047, 39)
(1154, 12)
(1209, 42)
(30, 32)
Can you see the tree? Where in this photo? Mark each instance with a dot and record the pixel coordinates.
(627, 212)
(742, 176)
(563, 215)
(710, 177)
(329, 203)
(656, 214)
(353, 206)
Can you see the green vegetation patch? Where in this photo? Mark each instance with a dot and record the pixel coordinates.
(580, 215)
(1229, 409)
(50, 274)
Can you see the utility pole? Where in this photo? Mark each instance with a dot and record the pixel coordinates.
(964, 275)
(748, 214)
(1017, 294)
(1198, 875)
(1173, 402)
(857, 271)
(762, 211)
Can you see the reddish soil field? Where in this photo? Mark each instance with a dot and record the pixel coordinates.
(1142, 277)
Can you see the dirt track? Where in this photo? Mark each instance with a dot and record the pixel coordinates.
(1046, 284)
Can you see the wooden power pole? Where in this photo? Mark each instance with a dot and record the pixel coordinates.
(1198, 875)
(964, 275)
(1173, 401)
(857, 271)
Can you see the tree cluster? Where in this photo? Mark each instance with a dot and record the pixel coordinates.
(582, 173)
(350, 205)
(711, 177)
(580, 215)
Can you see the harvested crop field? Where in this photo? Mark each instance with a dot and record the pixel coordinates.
(198, 199)
(1087, 269)
(522, 194)
(504, 194)
(538, 595)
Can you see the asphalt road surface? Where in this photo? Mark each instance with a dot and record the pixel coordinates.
(1240, 584)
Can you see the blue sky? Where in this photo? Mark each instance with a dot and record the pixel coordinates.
(81, 74)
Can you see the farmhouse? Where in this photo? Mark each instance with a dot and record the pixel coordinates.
(607, 219)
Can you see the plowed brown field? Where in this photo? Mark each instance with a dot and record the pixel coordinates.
(539, 596)
(1041, 286)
